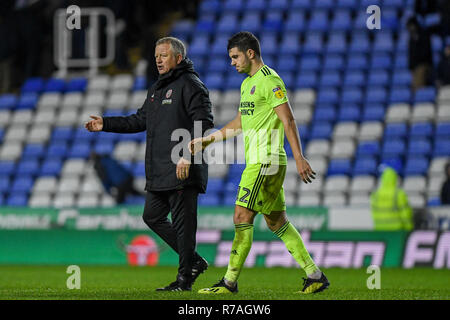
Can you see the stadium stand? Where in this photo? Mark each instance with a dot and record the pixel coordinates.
(349, 88)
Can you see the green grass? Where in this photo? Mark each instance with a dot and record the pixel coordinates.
(124, 282)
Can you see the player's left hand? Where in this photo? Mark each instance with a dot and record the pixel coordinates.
(305, 171)
(183, 166)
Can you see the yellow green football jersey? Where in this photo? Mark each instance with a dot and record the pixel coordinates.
(262, 130)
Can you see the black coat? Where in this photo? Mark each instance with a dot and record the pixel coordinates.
(175, 101)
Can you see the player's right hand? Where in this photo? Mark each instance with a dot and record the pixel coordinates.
(94, 125)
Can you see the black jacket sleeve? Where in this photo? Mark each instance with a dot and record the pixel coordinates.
(130, 124)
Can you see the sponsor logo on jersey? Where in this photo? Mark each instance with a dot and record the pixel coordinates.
(278, 92)
(253, 90)
(168, 93)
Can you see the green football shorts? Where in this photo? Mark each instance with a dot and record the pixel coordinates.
(261, 188)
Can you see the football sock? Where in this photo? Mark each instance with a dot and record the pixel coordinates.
(296, 247)
(243, 238)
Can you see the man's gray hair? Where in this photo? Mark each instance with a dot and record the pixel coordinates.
(178, 46)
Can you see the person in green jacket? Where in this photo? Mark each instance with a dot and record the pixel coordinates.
(389, 204)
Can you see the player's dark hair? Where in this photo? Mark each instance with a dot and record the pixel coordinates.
(244, 40)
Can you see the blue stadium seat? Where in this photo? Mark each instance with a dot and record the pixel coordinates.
(76, 85)
(313, 43)
(104, 147)
(376, 95)
(134, 200)
(234, 81)
(214, 81)
(354, 78)
(303, 131)
(182, 28)
(364, 166)
(339, 167)
(251, 21)
(55, 85)
(327, 96)
(301, 4)
(327, 113)
(350, 112)
(310, 63)
(383, 42)
(318, 21)
(441, 147)
(401, 77)
(373, 112)
(368, 148)
(4, 184)
(219, 49)
(395, 130)
(378, 78)
(416, 166)
(360, 44)
(256, 5)
(334, 62)
(51, 167)
(199, 45)
(348, 4)
(209, 199)
(295, 22)
(290, 43)
(321, 130)
(218, 63)
(273, 21)
(35, 85)
(288, 78)
(419, 146)
(425, 95)
(17, 200)
(357, 62)
(140, 83)
(58, 149)
(27, 100)
(421, 129)
(8, 101)
(286, 63)
(401, 94)
(215, 185)
(7, 168)
(28, 167)
(442, 129)
(229, 199)
(342, 21)
(381, 61)
(394, 162)
(232, 6)
(139, 169)
(330, 79)
(278, 4)
(79, 150)
(393, 147)
(323, 4)
(81, 134)
(33, 150)
(269, 44)
(22, 184)
(210, 6)
(306, 79)
(352, 95)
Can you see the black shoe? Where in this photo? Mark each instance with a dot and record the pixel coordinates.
(181, 284)
(315, 285)
(198, 268)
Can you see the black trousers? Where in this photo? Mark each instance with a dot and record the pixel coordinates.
(180, 233)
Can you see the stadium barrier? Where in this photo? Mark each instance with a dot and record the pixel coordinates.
(119, 236)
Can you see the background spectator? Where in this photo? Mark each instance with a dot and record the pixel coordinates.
(420, 54)
(445, 190)
(443, 69)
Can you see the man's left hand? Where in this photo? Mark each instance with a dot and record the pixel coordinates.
(183, 166)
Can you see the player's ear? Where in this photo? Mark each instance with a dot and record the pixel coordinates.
(179, 58)
(251, 53)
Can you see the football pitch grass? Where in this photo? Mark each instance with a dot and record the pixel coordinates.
(137, 283)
